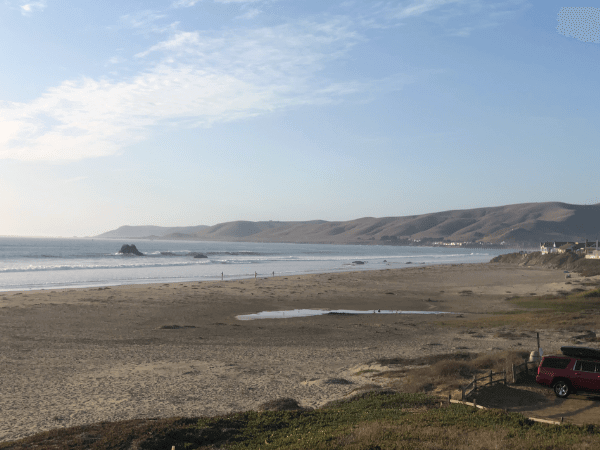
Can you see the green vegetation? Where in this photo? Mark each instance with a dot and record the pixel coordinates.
(365, 371)
(448, 372)
(383, 420)
(567, 309)
(573, 302)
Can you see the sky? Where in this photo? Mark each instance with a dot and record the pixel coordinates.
(197, 112)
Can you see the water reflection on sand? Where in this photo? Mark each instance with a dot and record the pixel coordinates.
(289, 314)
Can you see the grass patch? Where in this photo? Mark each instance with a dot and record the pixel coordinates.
(446, 372)
(452, 373)
(592, 294)
(383, 420)
(425, 360)
(365, 371)
(531, 321)
(577, 300)
(574, 309)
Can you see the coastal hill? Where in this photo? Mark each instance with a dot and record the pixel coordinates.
(127, 231)
(524, 224)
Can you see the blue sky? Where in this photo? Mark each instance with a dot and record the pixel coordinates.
(188, 112)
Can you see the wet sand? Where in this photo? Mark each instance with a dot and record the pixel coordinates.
(71, 357)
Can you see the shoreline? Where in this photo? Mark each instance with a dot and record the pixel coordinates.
(34, 266)
(79, 356)
(230, 278)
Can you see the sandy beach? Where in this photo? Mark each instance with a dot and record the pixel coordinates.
(71, 357)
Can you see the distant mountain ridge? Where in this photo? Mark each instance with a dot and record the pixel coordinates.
(136, 232)
(520, 224)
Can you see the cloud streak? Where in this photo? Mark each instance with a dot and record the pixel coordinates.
(27, 8)
(198, 80)
(194, 79)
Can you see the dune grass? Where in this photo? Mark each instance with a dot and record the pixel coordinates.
(447, 372)
(579, 308)
(384, 420)
(574, 302)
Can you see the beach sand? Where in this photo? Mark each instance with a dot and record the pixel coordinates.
(71, 357)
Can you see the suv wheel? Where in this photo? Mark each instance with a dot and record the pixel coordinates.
(562, 388)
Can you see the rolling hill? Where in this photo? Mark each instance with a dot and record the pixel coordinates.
(520, 224)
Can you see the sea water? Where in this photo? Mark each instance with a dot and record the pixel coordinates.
(44, 263)
(292, 313)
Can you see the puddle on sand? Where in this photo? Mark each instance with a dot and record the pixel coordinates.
(320, 312)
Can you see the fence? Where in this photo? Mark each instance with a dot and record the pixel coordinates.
(526, 368)
(518, 370)
(473, 386)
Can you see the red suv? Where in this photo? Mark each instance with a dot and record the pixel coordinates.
(577, 370)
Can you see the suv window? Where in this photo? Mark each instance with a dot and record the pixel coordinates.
(557, 363)
(587, 366)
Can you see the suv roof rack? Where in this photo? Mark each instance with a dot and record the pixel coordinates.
(581, 352)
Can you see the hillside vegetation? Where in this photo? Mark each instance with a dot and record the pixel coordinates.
(384, 420)
(521, 224)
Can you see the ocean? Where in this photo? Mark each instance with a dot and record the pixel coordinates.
(47, 263)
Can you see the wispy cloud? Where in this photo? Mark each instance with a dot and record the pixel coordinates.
(199, 80)
(190, 3)
(251, 13)
(149, 21)
(419, 7)
(184, 3)
(29, 7)
(238, 1)
(194, 79)
(478, 13)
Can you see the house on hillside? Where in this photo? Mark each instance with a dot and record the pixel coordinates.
(552, 247)
(592, 251)
(571, 247)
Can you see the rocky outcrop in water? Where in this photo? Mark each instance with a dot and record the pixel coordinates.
(197, 255)
(127, 249)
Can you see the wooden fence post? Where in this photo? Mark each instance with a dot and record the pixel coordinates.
(462, 397)
(474, 383)
(491, 378)
(514, 378)
(526, 368)
(505, 376)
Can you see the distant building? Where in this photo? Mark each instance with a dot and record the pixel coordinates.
(552, 247)
(571, 247)
(590, 249)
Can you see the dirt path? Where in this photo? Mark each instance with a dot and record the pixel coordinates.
(540, 402)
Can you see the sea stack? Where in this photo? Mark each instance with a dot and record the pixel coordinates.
(127, 249)
(197, 255)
